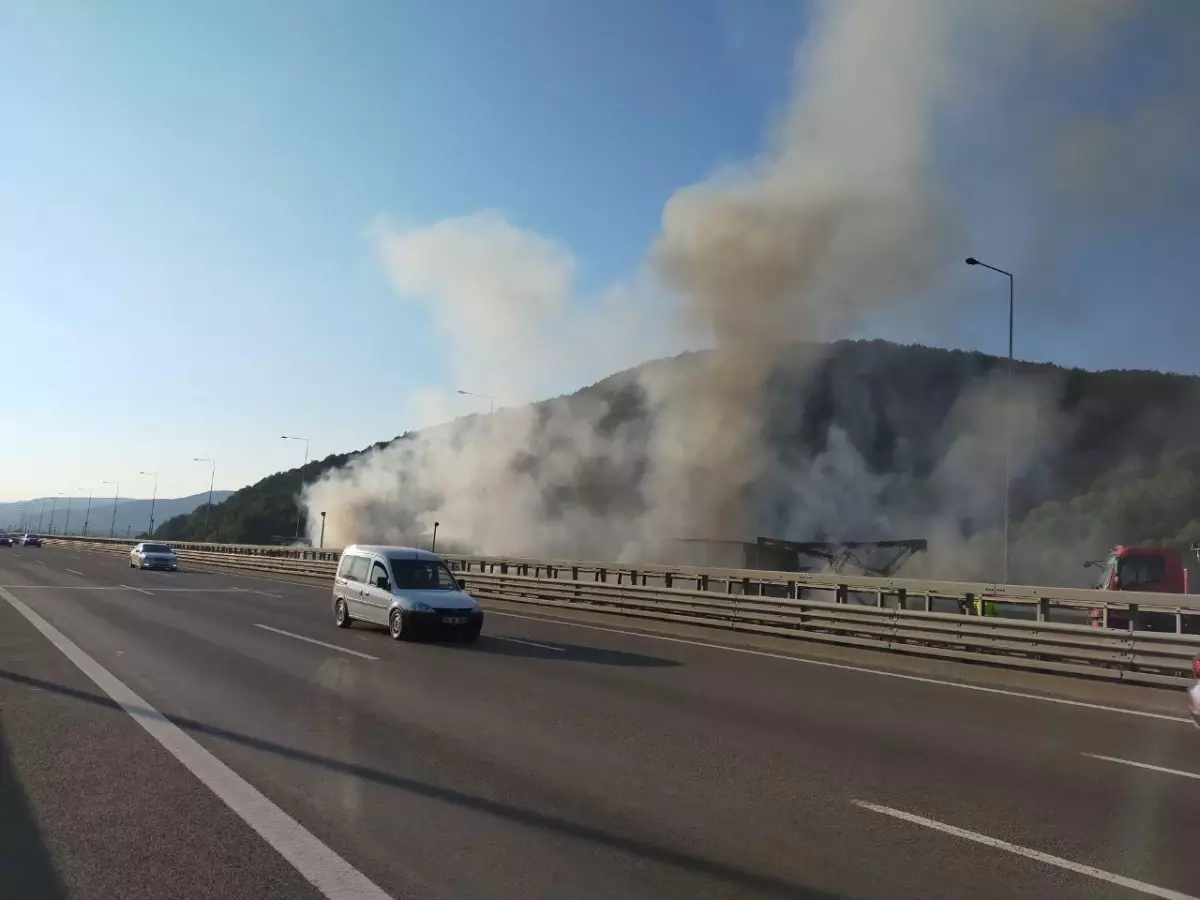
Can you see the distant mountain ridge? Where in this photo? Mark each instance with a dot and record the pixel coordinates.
(884, 439)
(132, 516)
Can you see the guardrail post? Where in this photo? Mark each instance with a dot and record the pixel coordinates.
(1135, 618)
(667, 579)
(902, 598)
(702, 583)
(792, 592)
(574, 573)
(879, 598)
(967, 605)
(1043, 609)
(842, 594)
(1179, 621)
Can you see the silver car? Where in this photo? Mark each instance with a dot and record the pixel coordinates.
(410, 591)
(153, 556)
(1194, 692)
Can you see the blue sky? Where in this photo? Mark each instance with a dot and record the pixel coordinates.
(188, 193)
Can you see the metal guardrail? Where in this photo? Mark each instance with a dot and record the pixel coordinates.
(901, 593)
(1130, 656)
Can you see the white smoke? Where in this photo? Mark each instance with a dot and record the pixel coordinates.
(843, 219)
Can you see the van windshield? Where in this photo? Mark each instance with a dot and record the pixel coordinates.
(422, 575)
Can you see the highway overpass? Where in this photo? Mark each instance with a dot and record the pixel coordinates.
(210, 734)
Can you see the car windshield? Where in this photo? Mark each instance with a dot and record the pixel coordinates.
(422, 575)
(155, 548)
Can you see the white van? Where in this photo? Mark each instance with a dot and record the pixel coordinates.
(410, 591)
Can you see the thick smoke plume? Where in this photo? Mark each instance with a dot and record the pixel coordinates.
(850, 215)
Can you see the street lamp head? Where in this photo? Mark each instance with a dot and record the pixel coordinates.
(972, 261)
(464, 393)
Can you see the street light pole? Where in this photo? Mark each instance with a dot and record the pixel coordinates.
(299, 508)
(67, 521)
(321, 543)
(491, 401)
(41, 512)
(53, 508)
(112, 529)
(212, 480)
(433, 545)
(972, 261)
(153, 498)
(87, 516)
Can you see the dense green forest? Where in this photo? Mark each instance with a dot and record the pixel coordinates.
(1104, 457)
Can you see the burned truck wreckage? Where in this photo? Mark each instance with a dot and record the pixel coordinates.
(880, 559)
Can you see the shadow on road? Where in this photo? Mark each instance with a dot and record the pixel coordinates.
(510, 646)
(767, 885)
(26, 867)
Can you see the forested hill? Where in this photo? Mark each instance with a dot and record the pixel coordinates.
(1099, 457)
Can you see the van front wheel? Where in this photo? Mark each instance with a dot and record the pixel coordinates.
(396, 625)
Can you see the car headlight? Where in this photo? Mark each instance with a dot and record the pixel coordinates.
(418, 606)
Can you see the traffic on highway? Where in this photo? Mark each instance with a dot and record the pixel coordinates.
(226, 739)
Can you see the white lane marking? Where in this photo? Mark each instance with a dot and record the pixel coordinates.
(138, 589)
(73, 572)
(335, 878)
(117, 587)
(1090, 871)
(326, 586)
(301, 637)
(1141, 765)
(848, 668)
(528, 643)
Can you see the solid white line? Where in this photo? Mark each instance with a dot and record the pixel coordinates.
(118, 587)
(335, 878)
(848, 668)
(1090, 871)
(73, 572)
(528, 643)
(1130, 762)
(301, 637)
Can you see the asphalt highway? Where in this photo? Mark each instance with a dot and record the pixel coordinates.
(207, 735)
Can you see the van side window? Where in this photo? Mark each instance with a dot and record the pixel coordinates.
(357, 569)
(377, 572)
(344, 568)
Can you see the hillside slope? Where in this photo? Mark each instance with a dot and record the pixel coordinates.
(862, 440)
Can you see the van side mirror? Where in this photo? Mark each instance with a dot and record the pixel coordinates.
(381, 582)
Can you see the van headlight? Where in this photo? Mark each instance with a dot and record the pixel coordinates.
(418, 606)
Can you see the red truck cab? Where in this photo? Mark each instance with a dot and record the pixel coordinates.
(1158, 570)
